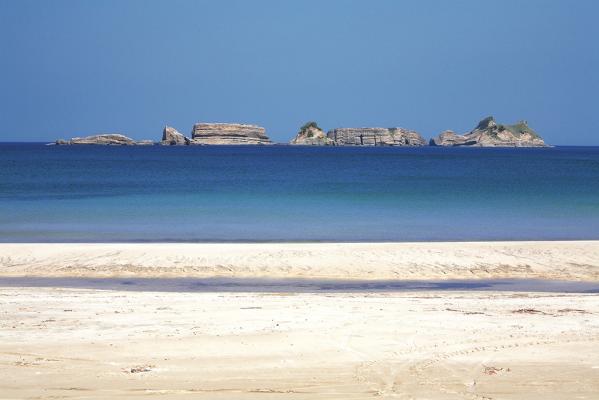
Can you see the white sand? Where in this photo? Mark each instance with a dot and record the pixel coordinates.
(95, 344)
(59, 343)
(409, 261)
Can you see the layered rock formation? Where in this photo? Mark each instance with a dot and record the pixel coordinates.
(375, 137)
(487, 133)
(172, 137)
(450, 138)
(113, 139)
(221, 133)
(311, 135)
(490, 134)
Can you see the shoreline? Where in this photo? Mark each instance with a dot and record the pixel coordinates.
(549, 260)
(135, 320)
(301, 285)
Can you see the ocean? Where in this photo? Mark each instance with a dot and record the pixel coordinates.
(289, 193)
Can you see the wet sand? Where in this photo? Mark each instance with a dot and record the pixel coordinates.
(282, 285)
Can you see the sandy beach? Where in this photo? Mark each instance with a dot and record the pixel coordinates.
(93, 343)
(576, 260)
(57, 343)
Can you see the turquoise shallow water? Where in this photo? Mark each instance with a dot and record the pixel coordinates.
(284, 193)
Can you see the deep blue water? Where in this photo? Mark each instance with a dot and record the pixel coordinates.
(284, 193)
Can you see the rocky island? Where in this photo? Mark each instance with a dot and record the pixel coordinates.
(310, 134)
(488, 133)
(375, 137)
(172, 137)
(108, 139)
(224, 133)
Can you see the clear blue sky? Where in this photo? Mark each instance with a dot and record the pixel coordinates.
(73, 68)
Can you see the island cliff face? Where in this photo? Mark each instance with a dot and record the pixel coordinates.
(109, 139)
(172, 137)
(221, 133)
(487, 133)
(490, 134)
(311, 135)
(375, 137)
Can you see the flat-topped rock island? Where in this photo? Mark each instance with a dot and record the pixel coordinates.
(487, 133)
(225, 133)
(375, 137)
(202, 134)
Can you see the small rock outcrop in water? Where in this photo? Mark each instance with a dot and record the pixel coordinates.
(113, 139)
(311, 135)
(221, 133)
(448, 138)
(172, 137)
(490, 134)
(375, 137)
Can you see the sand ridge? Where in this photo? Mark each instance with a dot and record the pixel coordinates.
(575, 260)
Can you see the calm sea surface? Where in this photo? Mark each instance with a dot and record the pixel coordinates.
(284, 193)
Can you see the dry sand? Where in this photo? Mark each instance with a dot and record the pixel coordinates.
(84, 343)
(88, 344)
(408, 261)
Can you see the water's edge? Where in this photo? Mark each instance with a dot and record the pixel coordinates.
(283, 285)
